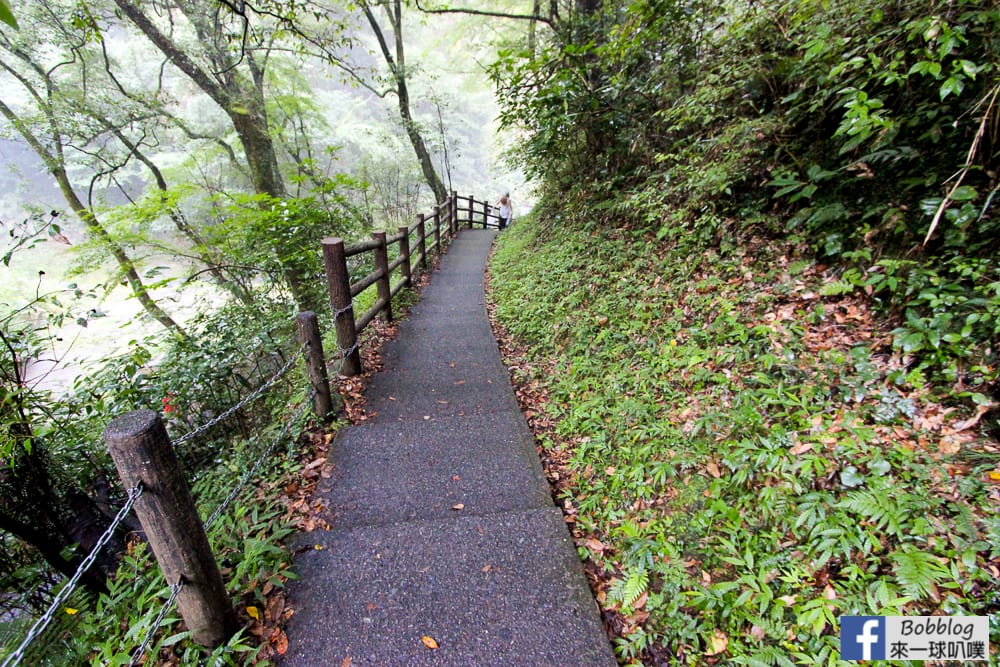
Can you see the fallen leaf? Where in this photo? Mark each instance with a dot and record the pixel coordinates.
(595, 545)
(718, 643)
(280, 641)
(346, 662)
(714, 471)
(950, 445)
(318, 547)
(969, 423)
(71, 611)
(458, 506)
(758, 633)
(315, 464)
(253, 613)
(429, 642)
(487, 567)
(800, 448)
(829, 593)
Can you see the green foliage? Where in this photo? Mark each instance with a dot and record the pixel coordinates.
(6, 14)
(677, 116)
(748, 486)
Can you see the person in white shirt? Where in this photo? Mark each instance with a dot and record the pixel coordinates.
(505, 210)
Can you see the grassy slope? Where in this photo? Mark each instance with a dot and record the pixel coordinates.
(736, 463)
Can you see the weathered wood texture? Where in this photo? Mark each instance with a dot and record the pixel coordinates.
(338, 282)
(324, 403)
(143, 454)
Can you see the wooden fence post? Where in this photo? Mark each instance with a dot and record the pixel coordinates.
(404, 252)
(339, 282)
(437, 228)
(469, 219)
(422, 241)
(454, 209)
(452, 225)
(384, 284)
(309, 336)
(142, 453)
(486, 214)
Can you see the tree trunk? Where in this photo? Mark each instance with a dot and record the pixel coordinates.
(244, 103)
(397, 65)
(31, 510)
(532, 29)
(125, 262)
(180, 222)
(57, 168)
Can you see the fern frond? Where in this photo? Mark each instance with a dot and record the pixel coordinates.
(879, 508)
(918, 572)
(631, 587)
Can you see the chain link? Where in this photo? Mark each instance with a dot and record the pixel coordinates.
(246, 401)
(39, 627)
(140, 651)
(337, 313)
(348, 352)
(247, 476)
(176, 588)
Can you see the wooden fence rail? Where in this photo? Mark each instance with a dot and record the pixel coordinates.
(432, 233)
(144, 454)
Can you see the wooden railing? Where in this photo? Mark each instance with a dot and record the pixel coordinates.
(145, 456)
(416, 243)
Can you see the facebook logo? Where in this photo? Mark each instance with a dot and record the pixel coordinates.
(862, 638)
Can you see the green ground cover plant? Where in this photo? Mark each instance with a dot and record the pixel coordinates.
(745, 453)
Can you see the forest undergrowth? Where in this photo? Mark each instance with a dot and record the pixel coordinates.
(743, 448)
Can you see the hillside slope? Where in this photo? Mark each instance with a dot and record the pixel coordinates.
(742, 453)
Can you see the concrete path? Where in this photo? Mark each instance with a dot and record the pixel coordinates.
(442, 522)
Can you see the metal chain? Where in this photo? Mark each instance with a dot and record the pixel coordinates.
(176, 588)
(137, 654)
(348, 352)
(247, 476)
(342, 311)
(39, 627)
(246, 401)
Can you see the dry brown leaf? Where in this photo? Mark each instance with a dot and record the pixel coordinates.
(950, 445)
(718, 642)
(595, 545)
(315, 464)
(280, 641)
(347, 662)
(800, 448)
(972, 421)
(429, 642)
(459, 506)
(713, 469)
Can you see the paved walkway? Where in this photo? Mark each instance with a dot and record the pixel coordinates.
(442, 522)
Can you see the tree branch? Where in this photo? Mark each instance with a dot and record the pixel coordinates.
(547, 20)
